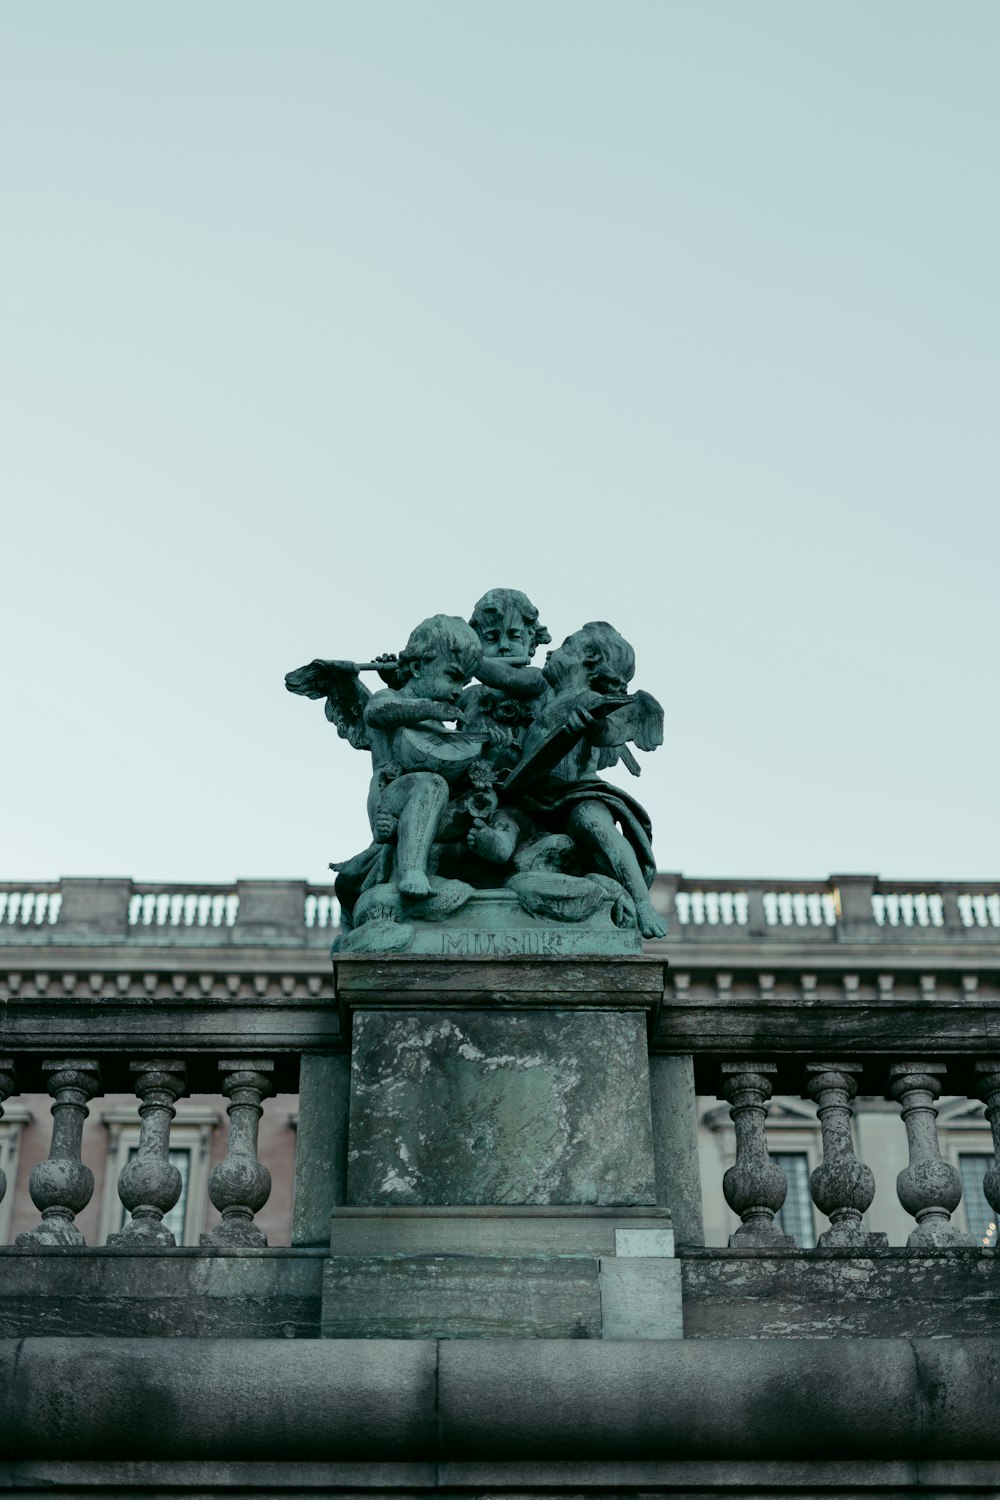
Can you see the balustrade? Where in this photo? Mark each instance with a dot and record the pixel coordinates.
(841, 908)
(240, 1185)
(149, 1185)
(929, 1188)
(61, 1185)
(842, 1187)
(755, 1186)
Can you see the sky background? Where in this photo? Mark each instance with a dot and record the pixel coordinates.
(317, 318)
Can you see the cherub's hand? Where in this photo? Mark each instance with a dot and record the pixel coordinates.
(385, 827)
(389, 666)
(498, 736)
(581, 721)
(448, 711)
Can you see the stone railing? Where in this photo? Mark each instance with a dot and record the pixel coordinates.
(843, 908)
(823, 1039)
(907, 1032)
(159, 1040)
(284, 912)
(840, 909)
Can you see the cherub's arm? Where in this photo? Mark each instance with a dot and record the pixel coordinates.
(519, 681)
(389, 709)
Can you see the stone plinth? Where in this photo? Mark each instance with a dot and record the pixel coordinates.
(500, 1171)
(495, 924)
(478, 1107)
(487, 1272)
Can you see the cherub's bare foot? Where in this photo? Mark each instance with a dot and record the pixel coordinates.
(650, 925)
(490, 844)
(414, 883)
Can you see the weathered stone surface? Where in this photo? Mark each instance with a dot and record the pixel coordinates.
(321, 1145)
(495, 924)
(466, 1401)
(641, 1298)
(534, 1479)
(675, 1144)
(472, 1107)
(461, 1296)
(490, 1229)
(490, 982)
(892, 1293)
(174, 1293)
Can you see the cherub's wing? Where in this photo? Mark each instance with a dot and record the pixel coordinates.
(346, 695)
(648, 716)
(641, 722)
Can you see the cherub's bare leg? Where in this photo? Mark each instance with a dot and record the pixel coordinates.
(592, 824)
(418, 800)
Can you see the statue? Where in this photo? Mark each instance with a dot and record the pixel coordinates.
(490, 823)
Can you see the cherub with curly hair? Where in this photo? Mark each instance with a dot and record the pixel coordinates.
(502, 707)
(415, 757)
(583, 726)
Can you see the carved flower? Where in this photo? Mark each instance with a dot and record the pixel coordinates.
(480, 775)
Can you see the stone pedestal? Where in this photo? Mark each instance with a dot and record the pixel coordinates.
(500, 1171)
(474, 1106)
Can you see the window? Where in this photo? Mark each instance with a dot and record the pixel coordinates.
(15, 1117)
(978, 1213)
(796, 1217)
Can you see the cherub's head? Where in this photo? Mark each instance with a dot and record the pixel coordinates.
(506, 622)
(439, 658)
(595, 656)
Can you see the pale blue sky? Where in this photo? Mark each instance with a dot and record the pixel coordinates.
(321, 317)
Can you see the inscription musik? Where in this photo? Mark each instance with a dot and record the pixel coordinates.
(504, 944)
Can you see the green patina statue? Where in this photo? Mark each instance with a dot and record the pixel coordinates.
(492, 830)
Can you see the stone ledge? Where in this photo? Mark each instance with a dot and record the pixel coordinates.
(755, 1479)
(492, 1229)
(495, 983)
(461, 1297)
(812, 1400)
(893, 1293)
(186, 1292)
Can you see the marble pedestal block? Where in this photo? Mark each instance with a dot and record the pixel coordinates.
(478, 1272)
(451, 1107)
(500, 1171)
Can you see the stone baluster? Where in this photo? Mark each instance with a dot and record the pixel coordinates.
(754, 1186)
(988, 1080)
(239, 1186)
(842, 1187)
(8, 1086)
(61, 1185)
(149, 1185)
(929, 1188)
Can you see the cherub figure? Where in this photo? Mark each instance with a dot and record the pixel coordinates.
(414, 756)
(501, 704)
(582, 726)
